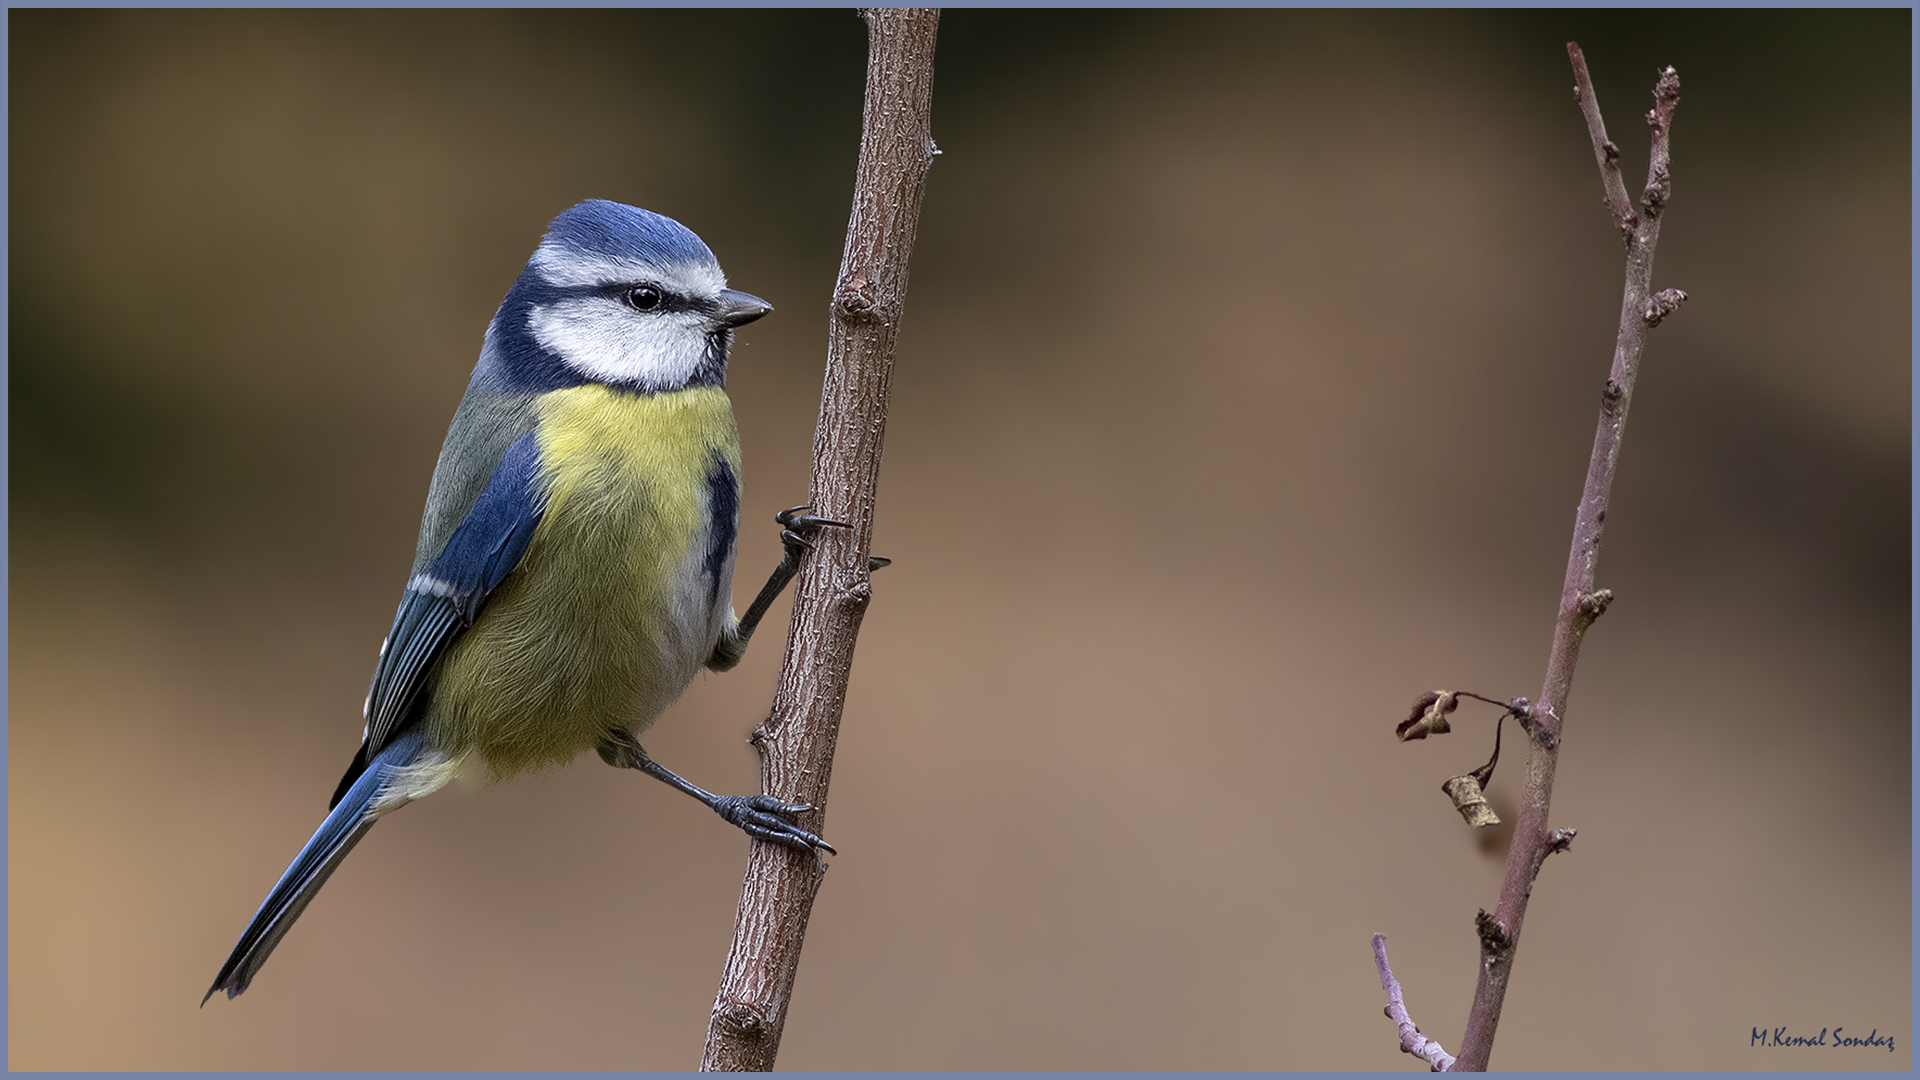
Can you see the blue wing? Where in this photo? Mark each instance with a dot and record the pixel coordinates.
(445, 598)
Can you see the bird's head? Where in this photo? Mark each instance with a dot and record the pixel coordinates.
(619, 295)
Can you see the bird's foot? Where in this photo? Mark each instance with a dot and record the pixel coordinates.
(764, 817)
(798, 524)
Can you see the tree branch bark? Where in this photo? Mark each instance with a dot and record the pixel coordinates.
(1580, 602)
(796, 741)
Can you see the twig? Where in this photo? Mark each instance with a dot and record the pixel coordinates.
(796, 741)
(1605, 154)
(1580, 602)
(1411, 1041)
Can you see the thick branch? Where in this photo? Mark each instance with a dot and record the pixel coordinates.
(1580, 602)
(796, 741)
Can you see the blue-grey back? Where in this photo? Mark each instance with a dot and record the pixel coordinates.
(485, 425)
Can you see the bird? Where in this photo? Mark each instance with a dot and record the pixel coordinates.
(574, 570)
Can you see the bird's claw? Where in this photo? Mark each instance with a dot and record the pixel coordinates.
(764, 817)
(803, 518)
(797, 523)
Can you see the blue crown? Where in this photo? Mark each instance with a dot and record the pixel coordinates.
(611, 228)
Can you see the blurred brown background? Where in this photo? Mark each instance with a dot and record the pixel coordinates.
(1245, 391)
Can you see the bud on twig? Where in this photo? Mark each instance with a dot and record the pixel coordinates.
(1662, 304)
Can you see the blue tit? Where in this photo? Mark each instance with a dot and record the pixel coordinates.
(575, 564)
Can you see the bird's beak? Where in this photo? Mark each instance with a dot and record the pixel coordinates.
(739, 309)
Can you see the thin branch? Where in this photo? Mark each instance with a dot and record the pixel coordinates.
(1580, 602)
(1605, 154)
(796, 741)
(1411, 1041)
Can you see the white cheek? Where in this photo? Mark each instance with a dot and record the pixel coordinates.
(603, 340)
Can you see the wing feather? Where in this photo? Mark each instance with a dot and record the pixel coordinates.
(444, 599)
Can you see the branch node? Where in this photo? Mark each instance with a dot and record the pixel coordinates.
(857, 592)
(1594, 604)
(1659, 189)
(1662, 304)
(741, 1020)
(1544, 738)
(1544, 735)
(1495, 941)
(1560, 840)
(1628, 223)
(854, 298)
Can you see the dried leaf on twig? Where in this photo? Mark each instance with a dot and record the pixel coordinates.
(1471, 800)
(1469, 792)
(1429, 715)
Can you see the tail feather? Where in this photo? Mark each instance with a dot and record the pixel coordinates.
(350, 819)
(354, 772)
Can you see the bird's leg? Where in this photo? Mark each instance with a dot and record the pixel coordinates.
(797, 525)
(762, 817)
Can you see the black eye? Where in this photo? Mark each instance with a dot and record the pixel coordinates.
(645, 297)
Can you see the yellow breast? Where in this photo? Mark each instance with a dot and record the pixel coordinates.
(613, 608)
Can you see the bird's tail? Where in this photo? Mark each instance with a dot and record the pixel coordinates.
(382, 788)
